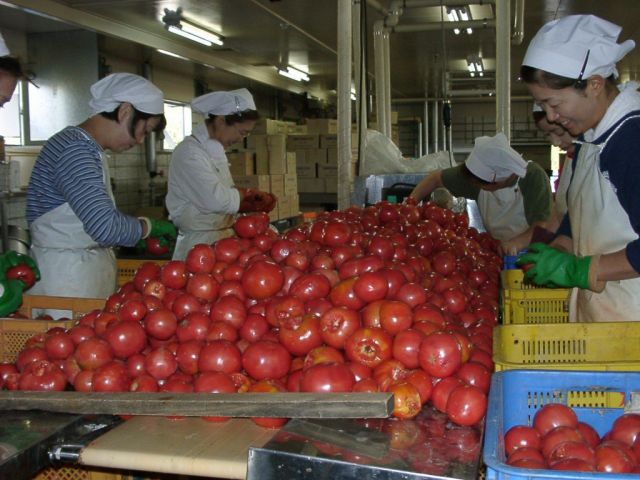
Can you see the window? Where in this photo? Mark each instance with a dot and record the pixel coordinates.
(178, 117)
(11, 119)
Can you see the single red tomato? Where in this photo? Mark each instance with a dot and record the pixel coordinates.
(92, 353)
(371, 286)
(406, 400)
(249, 226)
(42, 375)
(125, 338)
(203, 286)
(200, 258)
(326, 378)
(466, 405)
(406, 347)
(625, 428)
(111, 377)
(310, 286)
(442, 390)
(337, 324)
(59, 346)
(369, 346)
(229, 309)
(440, 354)
(395, 316)
(23, 273)
(160, 363)
(262, 280)
(173, 274)
(267, 386)
(521, 436)
(557, 436)
(525, 453)
(154, 247)
(554, 415)
(322, 354)
(572, 449)
(611, 458)
(220, 356)
(194, 326)
(266, 360)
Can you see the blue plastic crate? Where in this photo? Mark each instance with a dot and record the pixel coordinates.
(598, 398)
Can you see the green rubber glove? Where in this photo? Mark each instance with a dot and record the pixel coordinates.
(12, 259)
(10, 296)
(163, 229)
(555, 269)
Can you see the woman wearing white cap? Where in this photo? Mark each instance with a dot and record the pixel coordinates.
(70, 207)
(201, 198)
(513, 195)
(570, 70)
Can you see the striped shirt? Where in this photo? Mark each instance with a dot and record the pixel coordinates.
(69, 170)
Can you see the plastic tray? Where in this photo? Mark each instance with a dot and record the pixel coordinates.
(613, 346)
(524, 303)
(597, 397)
(127, 268)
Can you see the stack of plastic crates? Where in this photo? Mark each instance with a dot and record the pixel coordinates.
(598, 398)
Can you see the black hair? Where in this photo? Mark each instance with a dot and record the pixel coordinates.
(556, 82)
(539, 115)
(137, 117)
(237, 117)
(12, 66)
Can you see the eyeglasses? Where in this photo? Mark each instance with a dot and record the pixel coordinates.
(243, 133)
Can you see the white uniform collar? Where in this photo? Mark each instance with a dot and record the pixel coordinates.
(627, 101)
(213, 147)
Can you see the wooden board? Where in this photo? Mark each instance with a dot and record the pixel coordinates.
(288, 405)
(190, 446)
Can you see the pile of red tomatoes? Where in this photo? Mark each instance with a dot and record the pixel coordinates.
(393, 298)
(557, 440)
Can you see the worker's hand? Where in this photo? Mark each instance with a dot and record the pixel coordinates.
(256, 200)
(13, 259)
(10, 296)
(555, 269)
(163, 230)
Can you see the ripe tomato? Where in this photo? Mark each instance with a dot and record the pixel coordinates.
(337, 324)
(220, 356)
(574, 450)
(174, 274)
(371, 286)
(161, 324)
(326, 378)
(154, 247)
(92, 353)
(466, 405)
(59, 346)
(42, 375)
(111, 377)
(249, 226)
(299, 335)
(589, 434)
(406, 347)
(203, 286)
(369, 346)
(23, 273)
(625, 428)
(440, 354)
(266, 360)
(322, 354)
(442, 390)
(160, 363)
(227, 250)
(611, 458)
(262, 280)
(229, 309)
(554, 415)
(422, 381)
(556, 436)
(476, 374)
(310, 286)
(267, 386)
(194, 326)
(200, 258)
(125, 338)
(521, 436)
(395, 316)
(406, 400)
(444, 262)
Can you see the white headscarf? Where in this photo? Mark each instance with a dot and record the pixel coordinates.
(117, 88)
(4, 50)
(224, 103)
(561, 46)
(493, 160)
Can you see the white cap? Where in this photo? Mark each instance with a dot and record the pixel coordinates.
(4, 50)
(561, 46)
(117, 88)
(493, 160)
(224, 103)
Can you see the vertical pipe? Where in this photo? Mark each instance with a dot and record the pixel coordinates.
(419, 138)
(503, 67)
(361, 81)
(344, 103)
(434, 123)
(378, 52)
(387, 82)
(426, 126)
(443, 130)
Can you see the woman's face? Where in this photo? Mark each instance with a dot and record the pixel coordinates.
(229, 135)
(574, 110)
(7, 85)
(557, 135)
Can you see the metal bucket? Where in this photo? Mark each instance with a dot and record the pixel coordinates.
(19, 239)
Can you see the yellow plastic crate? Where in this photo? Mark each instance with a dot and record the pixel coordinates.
(525, 303)
(78, 473)
(127, 268)
(611, 346)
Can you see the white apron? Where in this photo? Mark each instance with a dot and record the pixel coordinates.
(71, 263)
(600, 225)
(197, 227)
(502, 212)
(563, 186)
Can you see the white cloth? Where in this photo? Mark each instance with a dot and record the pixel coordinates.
(493, 160)
(224, 103)
(595, 212)
(4, 50)
(118, 88)
(561, 47)
(502, 212)
(201, 199)
(71, 263)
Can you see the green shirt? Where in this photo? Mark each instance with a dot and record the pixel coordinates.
(535, 188)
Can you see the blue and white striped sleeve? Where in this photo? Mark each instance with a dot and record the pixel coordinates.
(79, 177)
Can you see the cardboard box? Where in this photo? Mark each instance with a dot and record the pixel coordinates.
(295, 205)
(302, 142)
(284, 207)
(277, 185)
(260, 182)
(322, 125)
(311, 185)
(292, 161)
(331, 184)
(325, 171)
(328, 141)
(293, 129)
(307, 171)
(317, 155)
(332, 156)
(270, 126)
(277, 145)
(290, 184)
(242, 163)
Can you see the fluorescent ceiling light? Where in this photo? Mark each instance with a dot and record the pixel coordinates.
(176, 23)
(190, 36)
(171, 54)
(294, 74)
(200, 32)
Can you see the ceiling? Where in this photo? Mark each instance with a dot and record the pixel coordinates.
(261, 34)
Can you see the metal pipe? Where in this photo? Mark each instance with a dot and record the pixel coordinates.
(426, 127)
(503, 67)
(419, 139)
(437, 3)
(387, 82)
(424, 27)
(435, 122)
(344, 103)
(361, 83)
(378, 7)
(518, 23)
(515, 98)
(378, 53)
(471, 92)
